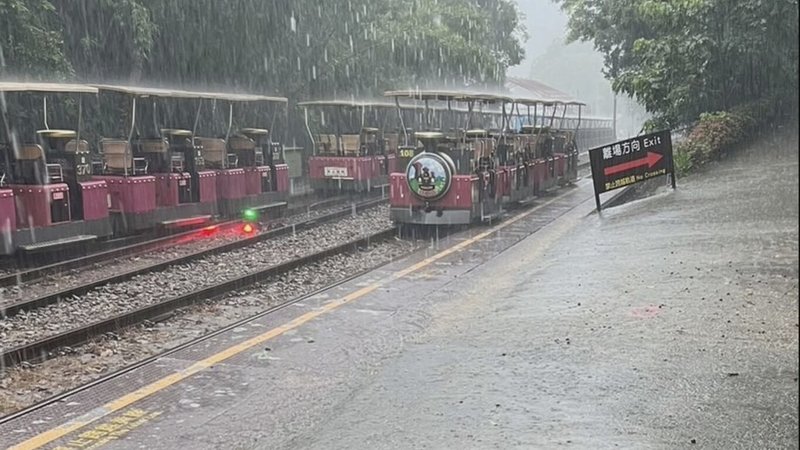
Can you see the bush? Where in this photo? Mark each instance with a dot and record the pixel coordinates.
(682, 157)
(716, 132)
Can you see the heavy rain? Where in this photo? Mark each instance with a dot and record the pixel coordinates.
(399, 224)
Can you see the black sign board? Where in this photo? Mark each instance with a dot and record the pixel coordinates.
(631, 161)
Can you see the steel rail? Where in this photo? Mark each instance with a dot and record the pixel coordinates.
(194, 341)
(41, 349)
(57, 296)
(137, 246)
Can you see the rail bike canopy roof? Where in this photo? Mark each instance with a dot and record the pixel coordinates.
(485, 97)
(376, 104)
(347, 103)
(546, 102)
(177, 93)
(11, 86)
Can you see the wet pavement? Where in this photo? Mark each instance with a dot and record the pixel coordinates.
(667, 322)
(670, 322)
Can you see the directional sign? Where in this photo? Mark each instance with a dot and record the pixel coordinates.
(631, 161)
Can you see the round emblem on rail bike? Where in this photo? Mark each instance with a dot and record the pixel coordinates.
(429, 176)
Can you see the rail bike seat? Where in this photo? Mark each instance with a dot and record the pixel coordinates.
(241, 143)
(73, 146)
(476, 133)
(351, 144)
(327, 143)
(117, 155)
(30, 164)
(30, 152)
(153, 145)
(392, 140)
(214, 151)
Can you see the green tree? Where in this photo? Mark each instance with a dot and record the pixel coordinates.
(452, 42)
(107, 39)
(683, 57)
(31, 45)
(301, 48)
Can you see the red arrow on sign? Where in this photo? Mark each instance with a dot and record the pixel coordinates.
(650, 160)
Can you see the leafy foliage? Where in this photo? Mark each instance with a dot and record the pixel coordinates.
(30, 40)
(683, 57)
(304, 48)
(717, 132)
(300, 49)
(107, 38)
(451, 41)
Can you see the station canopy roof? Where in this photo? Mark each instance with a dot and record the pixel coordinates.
(533, 89)
(12, 86)
(177, 93)
(448, 95)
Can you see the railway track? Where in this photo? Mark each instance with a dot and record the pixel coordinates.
(12, 309)
(42, 348)
(136, 245)
(267, 310)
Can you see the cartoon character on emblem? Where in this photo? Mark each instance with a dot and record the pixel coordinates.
(425, 180)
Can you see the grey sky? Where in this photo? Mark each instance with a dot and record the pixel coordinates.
(545, 23)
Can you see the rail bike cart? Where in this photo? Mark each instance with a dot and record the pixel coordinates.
(155, 173)
(252, 173)
(566, 145)
(452, 177)
(354, 143)
(593, 132)
(48, 199)
(165, 174)
(549, 150)
(497, 155)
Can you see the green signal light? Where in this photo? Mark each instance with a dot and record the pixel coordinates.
(250, 215)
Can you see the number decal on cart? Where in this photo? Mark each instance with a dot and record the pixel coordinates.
(335, 171)
(406, 152)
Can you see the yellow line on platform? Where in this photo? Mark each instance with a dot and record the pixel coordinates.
(159, 385)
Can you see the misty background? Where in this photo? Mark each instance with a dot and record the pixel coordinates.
(574, 68)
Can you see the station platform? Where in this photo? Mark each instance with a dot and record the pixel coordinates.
(666, 322)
